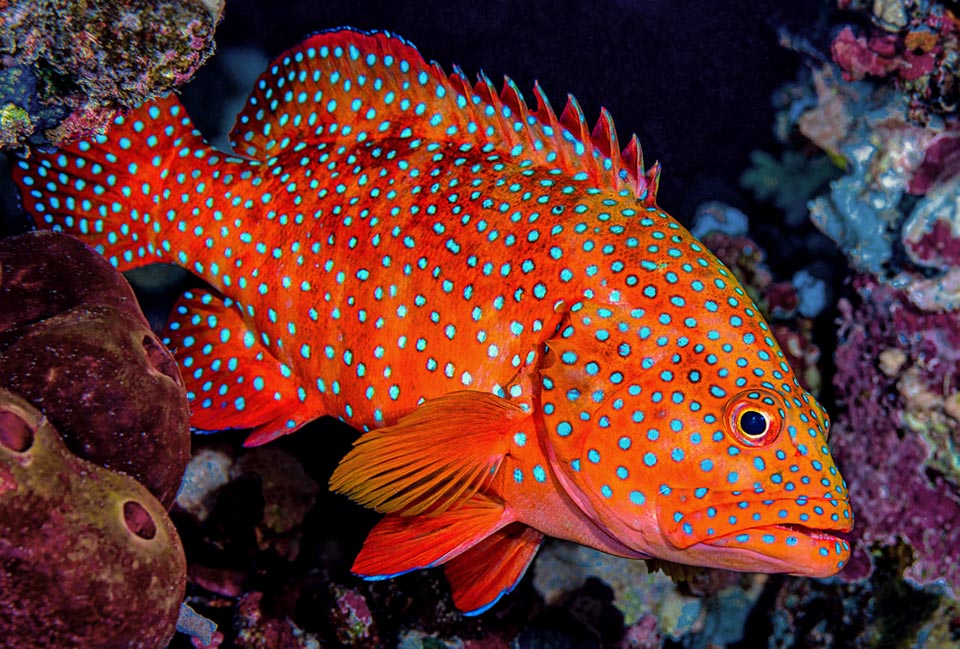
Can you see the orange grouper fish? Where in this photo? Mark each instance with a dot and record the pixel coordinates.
(531, 346)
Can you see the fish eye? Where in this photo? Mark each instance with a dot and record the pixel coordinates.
(754, 417)
(753, 423)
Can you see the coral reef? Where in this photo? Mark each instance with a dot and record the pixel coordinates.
(74, 343)
(888, 118)
(68, 67)
(872, 141)
(884, 611)
(885, 114)
(913, 43)
(59, 517)
(897, 438)
(884, 111)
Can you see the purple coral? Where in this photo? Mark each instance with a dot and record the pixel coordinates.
(895, 365)
(941, 162)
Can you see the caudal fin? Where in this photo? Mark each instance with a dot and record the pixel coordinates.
(119, 192)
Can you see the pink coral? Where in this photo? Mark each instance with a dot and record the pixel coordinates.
(941, 162)
(860, 57)
(880, 55)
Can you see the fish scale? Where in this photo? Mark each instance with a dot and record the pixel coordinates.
(490, 292)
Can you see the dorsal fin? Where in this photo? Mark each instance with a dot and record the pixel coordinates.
(647, 182)
(351, 86)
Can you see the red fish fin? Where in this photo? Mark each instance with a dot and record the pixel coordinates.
(109, 190)
(604, 137)
(349, 86)
(432, 459)
(335, 86)
(400, 544)
(232, 380)
(492, 568)
(647, 182)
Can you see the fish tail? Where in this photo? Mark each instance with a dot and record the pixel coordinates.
(117, 191)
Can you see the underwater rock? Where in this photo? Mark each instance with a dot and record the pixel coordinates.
(811, 293)
(868, 129)
(931, 236)
(74, 344)
(67, 68)
(206, 472)
(861, 212)
(714, 216)
(284, 493)
(259, 628)
(643, 634)
(415, 639)
(88, 557)
(713, 604)
(202, 631)
(288, 492)
(882, 611)
(352, 618)
(897, 435)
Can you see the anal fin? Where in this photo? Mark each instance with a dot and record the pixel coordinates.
(492, 568)
(400, 544)
(232, 380)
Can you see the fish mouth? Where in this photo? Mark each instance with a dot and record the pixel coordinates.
(790, 548)
(788, 530)
(800, 535)
(831, 536)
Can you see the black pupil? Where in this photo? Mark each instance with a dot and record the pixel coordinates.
(753, 423)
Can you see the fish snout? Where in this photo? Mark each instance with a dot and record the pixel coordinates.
(797, 534)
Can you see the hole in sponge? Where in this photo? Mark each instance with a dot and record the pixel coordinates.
(15, 433)
(138, 520)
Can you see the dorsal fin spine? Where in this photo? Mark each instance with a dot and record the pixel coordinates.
(604, 137)
(311, 84)
(652, 179)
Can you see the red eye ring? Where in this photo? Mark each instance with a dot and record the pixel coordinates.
(754, 417)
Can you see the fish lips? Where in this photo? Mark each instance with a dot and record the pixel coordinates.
(793, 533)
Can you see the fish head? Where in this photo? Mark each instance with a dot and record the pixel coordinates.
(675, 423)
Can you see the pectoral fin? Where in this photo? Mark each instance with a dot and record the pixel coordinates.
(434, 459)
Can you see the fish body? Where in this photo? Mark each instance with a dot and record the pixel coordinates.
(529, 343)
